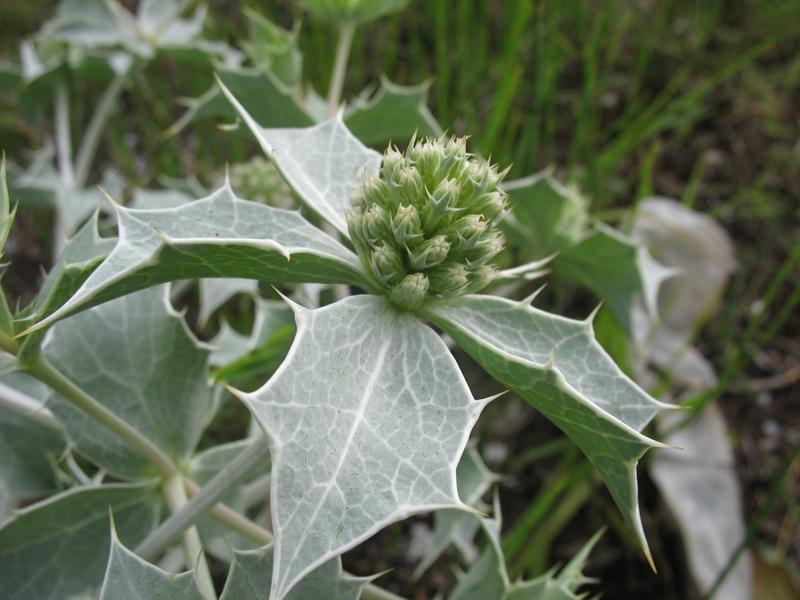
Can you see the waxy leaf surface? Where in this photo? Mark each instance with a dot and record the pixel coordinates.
(456, 526)
(218, 236)
(323, 163)
(129, 577)
(393, 114)
(136, 357)
(488, 576)
(556, 364)
(29, 446)
(250, 578)
(549, 218)
(367, 417)
(58, 548)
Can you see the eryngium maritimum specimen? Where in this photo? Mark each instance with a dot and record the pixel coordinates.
(426, 226)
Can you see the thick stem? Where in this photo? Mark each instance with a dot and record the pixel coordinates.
(44, 372)
(204, 500)
(176, 499)
(95, 128)
(31, 408)
(63, 135)
(340, 67)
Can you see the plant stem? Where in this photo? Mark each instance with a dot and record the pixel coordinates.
(204, 499)
(91, 138)
(340, 67)
(40, 368)
(26, 406)
(176, 499)
(63, 136)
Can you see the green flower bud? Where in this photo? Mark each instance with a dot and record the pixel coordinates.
(449, 279)
(405, 225)
(409, 185)
(427, 226)
(430, 253)
(411, 292)
(491, 204)
(387, 264)
(393, 161)
(377, 225)
(480, 278)
(486, 248)
(469, 228)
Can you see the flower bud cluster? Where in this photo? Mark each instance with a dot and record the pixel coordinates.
(426, 226)
(258, 180)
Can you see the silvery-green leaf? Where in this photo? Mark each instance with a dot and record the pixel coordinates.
(136, 357)
(96, 23)
(80, 257)
(556, 364)
(128, 577)
(30, 444)
(367, 418)
(75, 206)
(250, 578)
(393, 114)
(269, 340)
(455, 526)
(274, 49)
(352, 12)
(488, 577)
(227, 346)
(154, 199)
(58, 548)
(547, 216)
(322, 163)
(218, 236)
(216, 291)
(264, 96)
(615, 268)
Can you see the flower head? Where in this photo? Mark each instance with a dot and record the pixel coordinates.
(426, 226)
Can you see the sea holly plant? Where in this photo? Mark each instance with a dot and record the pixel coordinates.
(368, 415)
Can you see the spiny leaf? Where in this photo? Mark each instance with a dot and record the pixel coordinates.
(80, 257)
(265, 97)
(216, 291)
(393, 114)
(549, 217)
(250, 578)
(456, 526)
(218, 236)
(58, 548)
(615, 268)
(556, 364)
(488, 577)
(30, 447)
(135, 356)
(323, 163)
(367, 418)
(128, 577)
